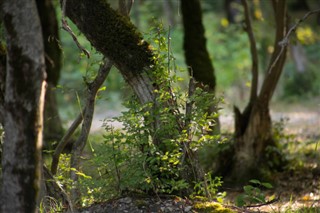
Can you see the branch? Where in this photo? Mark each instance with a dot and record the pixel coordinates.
(253, 51)
(67, 28)
(64, 141)
(79, 145)
(263, 204)
(278, 58)
(286, 41)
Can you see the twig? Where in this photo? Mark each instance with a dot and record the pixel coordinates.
(67, 28)
(285, 41)
(263, 204)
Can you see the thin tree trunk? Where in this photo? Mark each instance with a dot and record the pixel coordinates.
(80, 143)
(23, 105)
(53, 130)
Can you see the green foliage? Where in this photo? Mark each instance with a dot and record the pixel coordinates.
(150, 158)
(50, 205)
(253, 193)
(209, 188)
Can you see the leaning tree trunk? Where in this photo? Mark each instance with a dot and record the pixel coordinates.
(253, 127)
(116, 38)
(23, 104)
(53, 130)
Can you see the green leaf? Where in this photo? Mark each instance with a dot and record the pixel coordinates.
(248, 189)
(240, 201)
(267, 185)
(254, 181)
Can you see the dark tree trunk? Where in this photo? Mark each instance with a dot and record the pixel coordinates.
(195, 49)
(53, 130)
(194, 44)
(23, 105)
(232, 10)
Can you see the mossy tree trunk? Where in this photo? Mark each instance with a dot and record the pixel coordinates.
(253, 127)
(118, 39)
(23, 105)
(53, 130)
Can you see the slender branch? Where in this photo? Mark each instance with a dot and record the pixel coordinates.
(64, 141)
(67, 28)
(286, 41)
(253, 51)
(79, 145)
(263, 204)
(282, 41)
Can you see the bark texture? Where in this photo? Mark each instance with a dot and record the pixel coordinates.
(53, 130)
(194, 44)
(23, 104)
(118, 39)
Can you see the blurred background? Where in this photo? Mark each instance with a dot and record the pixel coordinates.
(298, 92)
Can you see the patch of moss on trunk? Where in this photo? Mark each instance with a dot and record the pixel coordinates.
(111, 33)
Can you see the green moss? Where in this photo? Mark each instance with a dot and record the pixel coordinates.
(111, 33)
(211, 207)
(141, 203)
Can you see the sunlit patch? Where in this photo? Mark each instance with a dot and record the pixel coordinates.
(305, 35)
(270, 49)
(224, 22)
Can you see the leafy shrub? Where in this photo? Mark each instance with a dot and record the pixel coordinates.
(161, 159)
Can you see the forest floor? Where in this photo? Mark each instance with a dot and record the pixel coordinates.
(298, 187)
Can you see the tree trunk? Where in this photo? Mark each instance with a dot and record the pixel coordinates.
(253, 127)
(23, 105)
(53, 130)
(196, 53)
(194, 44)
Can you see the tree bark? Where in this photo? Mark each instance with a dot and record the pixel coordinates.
(253, 127)
(53, 130)
(117, 38)
(194, 44)
(195, 50)
(23, 105)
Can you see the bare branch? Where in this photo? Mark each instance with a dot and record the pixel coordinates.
(64, 141)
(280, 46)
(286, 41)
(253, 51)
(79, 145)
(67, 28)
